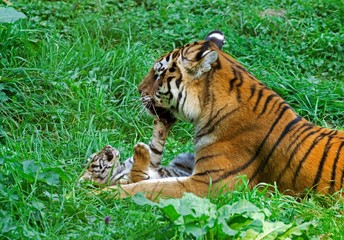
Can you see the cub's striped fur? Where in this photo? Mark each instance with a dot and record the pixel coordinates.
(241, 127)
(105, 167)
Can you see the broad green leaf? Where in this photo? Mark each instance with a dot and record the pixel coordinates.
(51, 178)
(241, 207)
(30, 167)
(271, 230)
(3, 97)
(189, 206)
(225, 228)
(250, 234)
(7, 224)
(244, 206)
(62, 173)
(9, 14)
(195, 206)
(3, 190)
(38, 205)
(141, 200)
(194, 230)
(299, 229)
(241, 223)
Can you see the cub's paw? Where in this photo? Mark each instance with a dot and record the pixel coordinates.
(141, 152)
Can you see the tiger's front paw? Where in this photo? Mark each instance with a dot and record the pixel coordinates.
(141, 152)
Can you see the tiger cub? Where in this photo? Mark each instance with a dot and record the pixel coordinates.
(105, 167)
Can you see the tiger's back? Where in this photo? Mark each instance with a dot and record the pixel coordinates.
(241, 126)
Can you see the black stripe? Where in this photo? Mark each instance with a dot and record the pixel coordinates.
(185, 97)
(267, 101)
(138, 171)
(105, 168)
(200, 181)
(178, 82)
(253, 90)
(198, 160)
(180, 96)
(207, 94)
(168, 58)
(168, 173)
(248, 163)
(231, 82)
(210, 129)
(205, 46)
(162, 74)
(238, 85)
(315, 142)
(169, 79)
(237, 65)
(212, 110)
(334, 167)
(174, 55)
(291, 157)
(181, 183)
(260, 95)
(170, 95)
(322, 162)
(286, 130)
(208, 172)
(273, 105)
(217, 66)
(237, 76)
(176, 172)
(154, 149)
(280, 105)
(153, 165)
(101, 177)
(118, 176)
(182, 167)
(209, 122)
(294, 138)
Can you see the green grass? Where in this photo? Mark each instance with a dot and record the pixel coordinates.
(68, 86)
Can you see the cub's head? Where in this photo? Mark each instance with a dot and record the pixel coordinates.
(167, 90)
(100, 165)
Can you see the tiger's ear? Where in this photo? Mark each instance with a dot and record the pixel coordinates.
(208, 58)
(202, 65)
(216, 37)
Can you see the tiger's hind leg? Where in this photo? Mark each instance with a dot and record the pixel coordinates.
(142, 159)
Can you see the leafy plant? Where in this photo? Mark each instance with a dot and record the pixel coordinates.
(9, 15)
(198, 217)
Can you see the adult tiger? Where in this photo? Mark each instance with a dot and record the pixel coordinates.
(241, 126)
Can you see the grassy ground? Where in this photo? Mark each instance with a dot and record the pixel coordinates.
(68, 78)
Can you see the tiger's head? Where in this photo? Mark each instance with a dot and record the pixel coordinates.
(101, 165)
(171, 86)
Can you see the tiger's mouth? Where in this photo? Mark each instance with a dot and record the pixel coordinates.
(111, 153)
(162, 113)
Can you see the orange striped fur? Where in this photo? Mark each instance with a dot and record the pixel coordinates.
(241, 127)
